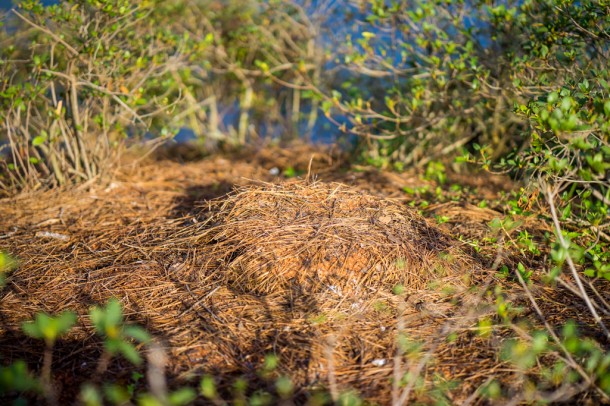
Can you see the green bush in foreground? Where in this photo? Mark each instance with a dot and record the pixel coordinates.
(118, 338)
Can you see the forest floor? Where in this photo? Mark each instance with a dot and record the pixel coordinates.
(230, 258)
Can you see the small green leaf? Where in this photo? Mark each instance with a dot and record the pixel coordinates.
(16, 377)
(270, 363)
(207, 387)
(284, 387)
(349, 398)
(107, 320)
(8, 263)
(116, 394)
(129, 352)
(41, 139)
(290, 172)
(147, 399)
(49, 328)
(137, 333)
(492, 390)
(90, 396)
(183, 396)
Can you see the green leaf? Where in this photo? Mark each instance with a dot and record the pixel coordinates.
(492, 390)
(148, 400)
(525, 274)
(284, 387)
(519, 353)
(349, 398)
(183, 396)
(270, 363)
(129, 352)
(137, 333)
(107, 320)
(558, 254)
(65, 321)
(290, 172)
(8, 263)
(326, 106)
(207, 387)
(49, 328)
(566, 104)
(16, 378)
(116, 394)
(41, 139)
(90, 396)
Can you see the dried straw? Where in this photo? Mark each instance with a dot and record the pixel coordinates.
(327, 236)
(301, 269)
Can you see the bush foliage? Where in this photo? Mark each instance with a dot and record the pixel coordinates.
(83, 79)
(413, 81)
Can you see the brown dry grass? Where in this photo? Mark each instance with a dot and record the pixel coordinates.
(321, 236)
(301, 269)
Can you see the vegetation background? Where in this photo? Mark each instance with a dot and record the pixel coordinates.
(514, 87)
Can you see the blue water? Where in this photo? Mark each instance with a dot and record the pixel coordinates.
(8, 4)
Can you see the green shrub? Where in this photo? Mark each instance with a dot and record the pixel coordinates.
(83, 79)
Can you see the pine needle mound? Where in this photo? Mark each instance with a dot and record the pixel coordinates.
(327, 236)
(301, 270)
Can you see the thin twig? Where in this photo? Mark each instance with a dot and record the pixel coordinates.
(47, 31)
(565, 246)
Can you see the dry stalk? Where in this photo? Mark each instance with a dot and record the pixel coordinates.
(568, 357)
(46, 377)
(155, 373)
(550, 194)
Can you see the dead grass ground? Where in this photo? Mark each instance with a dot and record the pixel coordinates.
(303, 269)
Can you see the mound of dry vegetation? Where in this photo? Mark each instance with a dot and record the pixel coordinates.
(351, 289)
(305, 270)
(327, 236)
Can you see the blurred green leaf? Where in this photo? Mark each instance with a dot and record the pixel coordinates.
(183, 396)
(207, 387)
(16, 378)
(48, 327)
